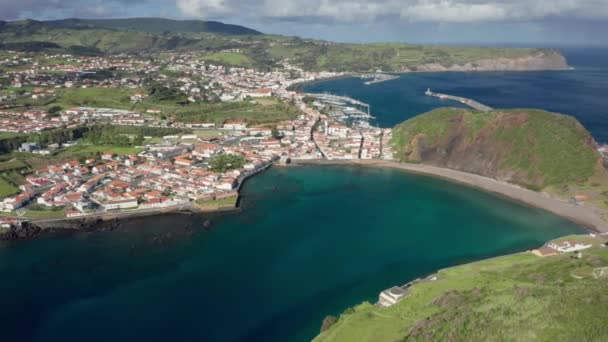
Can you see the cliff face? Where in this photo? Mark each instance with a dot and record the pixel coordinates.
(25, 231)
(533, 148)
(542, 60)
(30, 230)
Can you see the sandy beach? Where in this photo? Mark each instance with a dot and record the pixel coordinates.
(584, 214)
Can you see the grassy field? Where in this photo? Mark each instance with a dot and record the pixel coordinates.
(85, 150)
(8, 135)
(217, 204)
(44, 214)
(54, 213)
(12, 164)
(229, 58)
(267, 111)
(7, 188)
(95, 97)
(118, 98)
(10, 176)
(518, 297)
(16, 159)
(206, 133)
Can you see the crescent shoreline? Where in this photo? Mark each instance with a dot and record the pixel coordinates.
(583, 214)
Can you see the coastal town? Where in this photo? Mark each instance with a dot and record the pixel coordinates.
(205, 163)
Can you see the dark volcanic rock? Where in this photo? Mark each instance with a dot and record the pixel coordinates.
(25, 231)
(207, 224)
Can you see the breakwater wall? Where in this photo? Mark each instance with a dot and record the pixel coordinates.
(465, 101)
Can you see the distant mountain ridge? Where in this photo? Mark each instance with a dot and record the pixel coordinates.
(155, 25)
(235, 45)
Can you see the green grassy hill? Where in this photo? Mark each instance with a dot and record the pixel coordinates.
(519, 297)
(151, 35)
(387, 56)
(155, 25)
(533, 148)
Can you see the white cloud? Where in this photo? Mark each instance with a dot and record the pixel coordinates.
(349, 11)
(449, 11)
(204, 8)
(339, 10)
(453, 11)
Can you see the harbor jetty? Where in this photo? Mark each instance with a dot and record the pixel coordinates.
(471, 103)
(339, 100)
(377, 78)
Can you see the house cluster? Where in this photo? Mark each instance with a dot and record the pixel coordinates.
(109, 115)
(9, 222)
(15, 59)
(77, 79)
(36, 121)
(32, 121)
(68, 63)
(338, 141)
(316, 134)
(164, 175)
(66, 71)
(561, 247)
(207, 81)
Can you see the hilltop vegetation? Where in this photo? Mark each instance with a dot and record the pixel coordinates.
(519, 297)
(387, 56)
(155, 25)
(151, 35)
(533, 148)
(229, 58)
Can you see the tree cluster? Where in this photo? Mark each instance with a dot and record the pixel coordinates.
(226, 162)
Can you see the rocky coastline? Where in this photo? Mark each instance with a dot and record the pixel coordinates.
(103, 222)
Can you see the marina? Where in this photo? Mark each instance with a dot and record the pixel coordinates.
(345, 109)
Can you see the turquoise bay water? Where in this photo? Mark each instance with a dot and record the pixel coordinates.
(310, 241)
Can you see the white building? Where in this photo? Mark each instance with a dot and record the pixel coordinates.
(568, 246)
(391, 296)
(236, 125)
(121, 204)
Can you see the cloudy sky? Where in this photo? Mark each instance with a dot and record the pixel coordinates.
(552, 22)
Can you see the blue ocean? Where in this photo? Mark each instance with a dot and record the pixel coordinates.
(581, 92)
